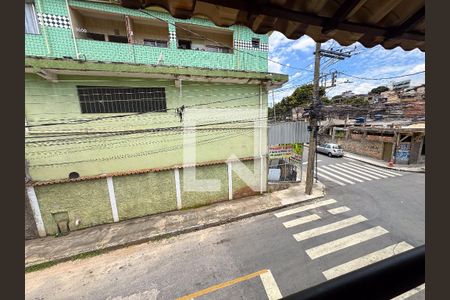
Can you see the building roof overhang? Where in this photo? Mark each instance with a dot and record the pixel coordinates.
(50, 69)
(389, 23)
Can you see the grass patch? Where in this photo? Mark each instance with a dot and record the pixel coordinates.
(49, 264)
(88, 254)
(40, 266)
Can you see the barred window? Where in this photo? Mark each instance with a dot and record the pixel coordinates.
(94, 100)
(255, 43)
(155, 43)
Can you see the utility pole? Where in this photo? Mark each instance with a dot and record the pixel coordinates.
(315, 110)
(273, 105)
(313, 123)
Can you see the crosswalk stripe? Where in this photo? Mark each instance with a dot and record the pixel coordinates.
(338, 210)
(301, 236)
(376, 170)
(373, 169)
(365, 170)
(345, 242)
(342, 174)
(270, 286)
(359, 171)
(410, 292)
(350, 172)
(367, 260)
(304, 208)
(334, 175)
(331, 179)
(382, 170)
(301, 220)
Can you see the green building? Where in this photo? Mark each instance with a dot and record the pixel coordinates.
(122, 106)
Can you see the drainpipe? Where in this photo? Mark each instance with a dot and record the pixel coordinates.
(44, 31)
(73, 31)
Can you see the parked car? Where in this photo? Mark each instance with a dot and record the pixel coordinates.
(330, 150)
(360, 120)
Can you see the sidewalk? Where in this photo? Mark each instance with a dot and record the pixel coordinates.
(380, 163)
(140, 230)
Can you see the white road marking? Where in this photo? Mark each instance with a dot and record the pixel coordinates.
(304, 208)
(338, 210)
(334, 175)
(382, 170)
(345, 242)
(301, 220)
(301, 236)
(377, 170)
(305, 163)
(270, 285)
(331, 179)
(359, 171)
(349, 172)
(366, 171)
(410, 293)
(367, 260)
(342, 174)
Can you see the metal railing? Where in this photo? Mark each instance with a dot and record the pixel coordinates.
(385, 279)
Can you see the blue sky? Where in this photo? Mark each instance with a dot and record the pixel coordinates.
(373, 62)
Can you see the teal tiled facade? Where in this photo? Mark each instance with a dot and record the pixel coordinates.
(58, 42)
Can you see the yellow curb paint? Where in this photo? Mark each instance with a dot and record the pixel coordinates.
(222, 285)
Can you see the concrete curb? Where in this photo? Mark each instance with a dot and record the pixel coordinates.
(111, 247)
(384, 166)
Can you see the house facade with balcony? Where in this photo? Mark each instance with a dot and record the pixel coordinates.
(122, 105)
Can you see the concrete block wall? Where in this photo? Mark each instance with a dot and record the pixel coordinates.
(87, 201)
(358, 145)
(58, 42)
(94, 202)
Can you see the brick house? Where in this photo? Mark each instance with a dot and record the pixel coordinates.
(107, 92)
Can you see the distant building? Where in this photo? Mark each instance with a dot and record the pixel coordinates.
(401, 85)
(390, 96)
(297, 113)
(405, 144)
(347, 94)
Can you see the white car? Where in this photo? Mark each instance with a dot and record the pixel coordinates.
(330, 150)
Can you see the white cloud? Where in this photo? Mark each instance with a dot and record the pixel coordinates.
(304, 44)
(296, 75)
(276, 40)
(355, 87)
(274, 67)
(418, 68)
(279, 95)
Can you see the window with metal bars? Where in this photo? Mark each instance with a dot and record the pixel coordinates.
(95, 100)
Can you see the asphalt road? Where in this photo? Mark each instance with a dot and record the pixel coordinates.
(381, 216)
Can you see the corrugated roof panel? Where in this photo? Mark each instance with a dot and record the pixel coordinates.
(390, 23)
(288, 132)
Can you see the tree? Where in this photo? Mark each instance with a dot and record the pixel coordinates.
(379, 89)
(326, 101)
(302, 96)
(356, 101)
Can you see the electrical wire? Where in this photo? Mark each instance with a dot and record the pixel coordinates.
(122, 156)
(381, 78)
(78, 121)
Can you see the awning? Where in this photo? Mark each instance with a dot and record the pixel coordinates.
(389, 23)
